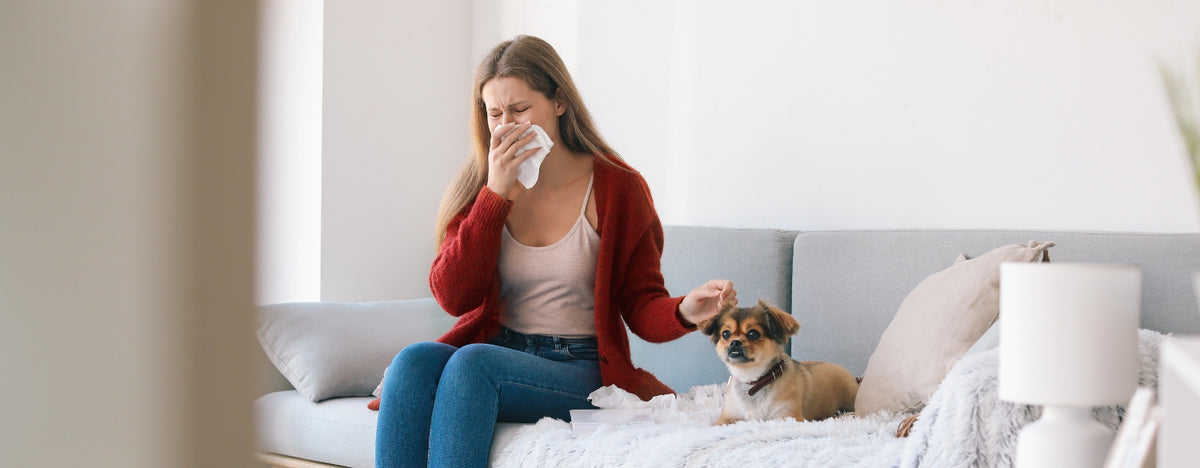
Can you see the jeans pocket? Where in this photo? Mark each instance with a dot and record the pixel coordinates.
(583, 351)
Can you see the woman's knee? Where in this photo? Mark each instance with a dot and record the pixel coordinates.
(423, 352)
(475, 359)
(428, 355)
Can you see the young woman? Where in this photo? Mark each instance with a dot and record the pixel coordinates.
(543, 279)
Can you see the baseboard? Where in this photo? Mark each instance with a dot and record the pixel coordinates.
(283, 461)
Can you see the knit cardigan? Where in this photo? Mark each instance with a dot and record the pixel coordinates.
(629, 283)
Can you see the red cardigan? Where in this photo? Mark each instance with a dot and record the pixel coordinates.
(629, 283)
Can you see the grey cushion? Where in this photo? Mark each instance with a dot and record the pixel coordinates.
(335, 349)
(758, 261)
(847, 285)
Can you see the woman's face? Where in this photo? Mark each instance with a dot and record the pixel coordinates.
(510, 100)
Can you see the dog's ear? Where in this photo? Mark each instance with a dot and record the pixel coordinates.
(779, 325)
(713, 324)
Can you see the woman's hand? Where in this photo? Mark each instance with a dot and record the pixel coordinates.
(706, 301)
(503, 159)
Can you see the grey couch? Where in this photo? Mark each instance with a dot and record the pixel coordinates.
(843, 286)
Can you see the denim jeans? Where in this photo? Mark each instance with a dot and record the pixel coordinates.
(440, 403)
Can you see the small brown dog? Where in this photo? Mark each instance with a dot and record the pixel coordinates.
(766, 383)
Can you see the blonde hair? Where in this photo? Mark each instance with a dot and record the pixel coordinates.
(535, 62)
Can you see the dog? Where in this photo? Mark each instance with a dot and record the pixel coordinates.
(764, 382)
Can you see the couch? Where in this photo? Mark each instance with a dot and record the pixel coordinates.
(844, 287)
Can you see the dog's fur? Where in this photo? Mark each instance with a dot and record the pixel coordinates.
(750, 341)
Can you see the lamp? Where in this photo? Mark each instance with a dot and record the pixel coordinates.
(1068, 341)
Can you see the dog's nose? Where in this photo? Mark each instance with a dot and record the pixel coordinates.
(735, 344)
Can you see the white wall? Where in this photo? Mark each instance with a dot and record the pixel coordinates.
(289, 161)
(397, 94)
(126, 233)
(873, 115)
(802, 115)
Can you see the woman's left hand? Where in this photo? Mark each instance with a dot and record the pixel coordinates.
(706, 301)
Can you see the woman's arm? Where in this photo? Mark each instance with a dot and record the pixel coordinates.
(465, 267)
(655, 316)
(645, 304)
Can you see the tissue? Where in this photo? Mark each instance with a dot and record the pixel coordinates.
(701, 405)
(527, 172)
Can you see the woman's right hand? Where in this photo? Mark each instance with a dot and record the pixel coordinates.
(706, 301)
(503, 159)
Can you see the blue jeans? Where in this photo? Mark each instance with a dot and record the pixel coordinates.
(440, 403)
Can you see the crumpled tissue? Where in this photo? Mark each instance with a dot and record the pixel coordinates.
(701, 405)
(527, 173)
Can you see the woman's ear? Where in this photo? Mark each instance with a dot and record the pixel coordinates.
(560, 104)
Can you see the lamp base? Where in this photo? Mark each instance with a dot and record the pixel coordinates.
(1064, 437)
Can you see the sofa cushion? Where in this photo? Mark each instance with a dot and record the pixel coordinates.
(338, 431)
(935, 325)
(340, 349)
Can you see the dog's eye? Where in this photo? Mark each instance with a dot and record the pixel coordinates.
(725, 334)
(754, 335)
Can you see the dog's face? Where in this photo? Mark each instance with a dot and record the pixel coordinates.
(750, 337)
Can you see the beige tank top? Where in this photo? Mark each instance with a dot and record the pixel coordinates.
(551, 290)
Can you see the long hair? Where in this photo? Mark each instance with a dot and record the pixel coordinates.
(535, 62)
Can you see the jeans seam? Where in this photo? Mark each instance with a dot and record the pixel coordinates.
(540, 389)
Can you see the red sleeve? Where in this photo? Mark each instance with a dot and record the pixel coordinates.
(465, 267)
(645, 304)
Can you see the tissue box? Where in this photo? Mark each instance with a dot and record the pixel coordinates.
(585, 422)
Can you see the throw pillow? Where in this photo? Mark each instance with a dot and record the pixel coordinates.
(989, 340)
(340, 349)
(934, 326)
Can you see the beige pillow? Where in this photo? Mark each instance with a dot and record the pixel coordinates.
(935, 325)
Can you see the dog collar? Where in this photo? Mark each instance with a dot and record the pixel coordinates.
(775, 372)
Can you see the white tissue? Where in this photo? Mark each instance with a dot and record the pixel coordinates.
(527, 172)
(700, 405)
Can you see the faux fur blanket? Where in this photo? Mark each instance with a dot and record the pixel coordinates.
(964, 424)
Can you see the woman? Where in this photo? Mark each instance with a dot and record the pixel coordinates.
(543, 279)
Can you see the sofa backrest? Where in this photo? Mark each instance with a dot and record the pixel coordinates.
(758, 261)
(847, 285)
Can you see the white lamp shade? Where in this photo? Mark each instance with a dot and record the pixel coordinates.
(1068, 333)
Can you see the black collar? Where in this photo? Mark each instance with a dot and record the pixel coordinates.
(775, 372)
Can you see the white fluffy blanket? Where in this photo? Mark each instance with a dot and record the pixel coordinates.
(964, 424)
